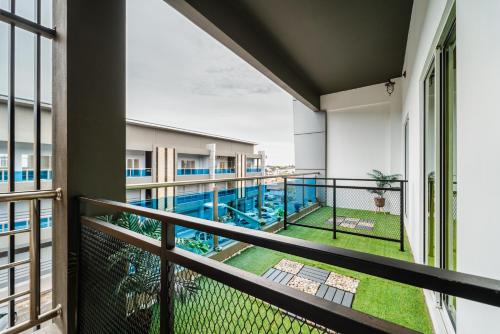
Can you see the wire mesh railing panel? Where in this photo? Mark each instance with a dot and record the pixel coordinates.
(119, 286)
(364, 212)
(203, 305)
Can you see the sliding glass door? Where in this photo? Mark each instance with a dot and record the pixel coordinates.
(440, 161)
(430, 143)
(449, 163)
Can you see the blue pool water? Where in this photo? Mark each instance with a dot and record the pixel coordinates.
(233, 209)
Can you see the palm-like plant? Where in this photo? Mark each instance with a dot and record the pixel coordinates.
(382, 181)
(140, 282)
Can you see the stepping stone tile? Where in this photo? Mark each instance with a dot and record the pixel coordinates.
(304, 285)
(286, 279)
(324, 284)
(348, 299)
(278, 278)
(311, 277)
(330, 293)
(323, 288)
(289, 266)
(274, 274)
(269, 272)
(339, 295)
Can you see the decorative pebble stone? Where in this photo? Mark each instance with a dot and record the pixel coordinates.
(289, 266)
(304, 285)
(342, 282)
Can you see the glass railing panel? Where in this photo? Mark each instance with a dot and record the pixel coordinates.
(192, 171)
(254, 170)
(137, 172)
(225, 171)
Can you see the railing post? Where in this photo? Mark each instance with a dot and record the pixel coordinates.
(285, 204)
(303, 193)
(334, 209)
(401, 217)
(215, 214)
(167, 279)
(34, 259)
(259, 199)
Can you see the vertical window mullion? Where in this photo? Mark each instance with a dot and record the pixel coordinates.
(11, 156)
(37, 117)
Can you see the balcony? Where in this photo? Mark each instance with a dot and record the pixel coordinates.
(254, 170)
(225, 170)
(26, 175)
(193, 171)
(258, 289)
(138, 172)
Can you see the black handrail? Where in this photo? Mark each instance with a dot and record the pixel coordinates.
(472, 287)
(312, 308)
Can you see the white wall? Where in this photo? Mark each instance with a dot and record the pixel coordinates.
(478, 82)
(309, 138)
(478, 70)
(364, 131)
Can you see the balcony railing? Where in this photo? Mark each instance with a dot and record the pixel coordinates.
(254, 169)
(225, 171)
(133, 283)
(138, 172)
(33, 292)
(193, 171)
(25, 175)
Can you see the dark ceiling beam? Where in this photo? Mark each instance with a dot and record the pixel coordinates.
(238, 32)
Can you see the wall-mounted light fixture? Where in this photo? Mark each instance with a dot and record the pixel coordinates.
(389, 86)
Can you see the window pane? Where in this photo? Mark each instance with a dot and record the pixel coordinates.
(430, 167)
(450, 164)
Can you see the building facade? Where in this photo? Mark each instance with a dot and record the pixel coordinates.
(438, 131)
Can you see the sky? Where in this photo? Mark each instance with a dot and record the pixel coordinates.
(177, 75)
(180, 76)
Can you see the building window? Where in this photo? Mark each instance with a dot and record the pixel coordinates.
(133, 164)
(187, 164)
(440, 161)
(4, 160)
(27, 161)
(46, 162)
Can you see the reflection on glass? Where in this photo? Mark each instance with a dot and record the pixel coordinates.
(450, 165)
(430, 167)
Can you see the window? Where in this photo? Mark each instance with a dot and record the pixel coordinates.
(187, 164)
(449, 163)
(3, 161)
(429, 167)
(27, 161)
(133, 164)
(440, 161)
(46, 162)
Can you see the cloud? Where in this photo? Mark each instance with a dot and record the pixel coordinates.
(180, 76)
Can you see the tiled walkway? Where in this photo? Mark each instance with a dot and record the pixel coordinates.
(314, 281)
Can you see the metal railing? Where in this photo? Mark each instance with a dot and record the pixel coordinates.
(358, 206)
(306, 308)
(34, 291)
(155, 185)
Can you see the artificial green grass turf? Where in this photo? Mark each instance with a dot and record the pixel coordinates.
(382, 298)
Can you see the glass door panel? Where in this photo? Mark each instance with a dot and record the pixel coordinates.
(430, 167)
(450, 164)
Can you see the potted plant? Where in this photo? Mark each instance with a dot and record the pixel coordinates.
(281, 214)
(382, 181)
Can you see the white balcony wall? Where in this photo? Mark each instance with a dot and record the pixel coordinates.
(200, 161)
(478, 79)
(309, 138)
